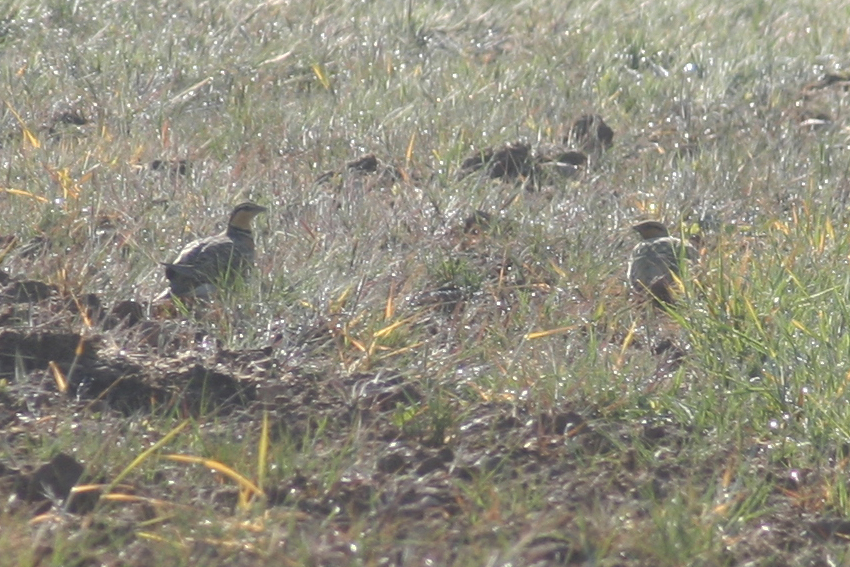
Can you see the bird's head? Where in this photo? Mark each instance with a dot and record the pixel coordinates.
(650, 229)
(244, 213)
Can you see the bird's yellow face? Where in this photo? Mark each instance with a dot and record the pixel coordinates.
(651, 229)
(243, 215)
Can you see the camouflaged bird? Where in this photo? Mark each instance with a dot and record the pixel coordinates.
(655, 262)
(209, 263)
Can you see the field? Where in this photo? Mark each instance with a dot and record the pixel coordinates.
(438, 359)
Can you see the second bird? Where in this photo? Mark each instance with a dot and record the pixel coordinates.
(221, 260)
(654, 263)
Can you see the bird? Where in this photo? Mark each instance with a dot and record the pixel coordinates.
(654, 264)
(207, 264)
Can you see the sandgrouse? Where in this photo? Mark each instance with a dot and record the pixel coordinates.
(221, 260)
(656, 260)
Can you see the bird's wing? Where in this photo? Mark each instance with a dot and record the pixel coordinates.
(209, 259)
(670, 250)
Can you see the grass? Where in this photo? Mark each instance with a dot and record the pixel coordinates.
(435, 395)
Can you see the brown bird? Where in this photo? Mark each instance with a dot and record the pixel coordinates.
(655, 262)
(221, 260)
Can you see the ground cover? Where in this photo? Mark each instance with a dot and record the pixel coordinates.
(438, 359)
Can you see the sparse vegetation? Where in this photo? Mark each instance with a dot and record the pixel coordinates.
(404, 380)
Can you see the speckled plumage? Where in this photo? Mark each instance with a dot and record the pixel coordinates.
(207, 263)
(655, 261)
